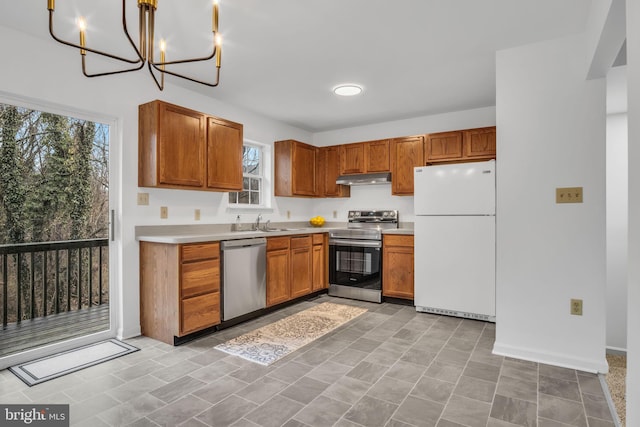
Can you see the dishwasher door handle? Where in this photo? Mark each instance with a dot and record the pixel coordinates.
(241, 243)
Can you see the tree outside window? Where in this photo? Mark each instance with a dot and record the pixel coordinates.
(252, 179)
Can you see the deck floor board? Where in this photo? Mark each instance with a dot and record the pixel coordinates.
(17, 337)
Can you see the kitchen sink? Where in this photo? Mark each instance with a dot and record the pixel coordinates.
(265, 230)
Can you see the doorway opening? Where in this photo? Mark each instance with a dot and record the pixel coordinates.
(54, 228)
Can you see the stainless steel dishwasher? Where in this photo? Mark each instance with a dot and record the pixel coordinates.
(244, 284)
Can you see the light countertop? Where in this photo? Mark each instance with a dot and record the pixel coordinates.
(177, 234)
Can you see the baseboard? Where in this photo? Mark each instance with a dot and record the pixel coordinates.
(617, 351)
(561, 360)
(123, 334)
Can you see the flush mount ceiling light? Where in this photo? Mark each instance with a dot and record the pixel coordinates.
(145, 50)
(347, 90)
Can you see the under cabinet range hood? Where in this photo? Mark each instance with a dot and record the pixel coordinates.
(365, 179)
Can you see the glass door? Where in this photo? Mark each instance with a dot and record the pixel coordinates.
(54, 229)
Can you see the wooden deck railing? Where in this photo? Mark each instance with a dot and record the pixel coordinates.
(40, 279)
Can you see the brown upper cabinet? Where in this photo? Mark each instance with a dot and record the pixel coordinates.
(461, 146)
(377, 156)
(352, 158)
(295, 169)
(480, 143)
(444, 146)
(224, 155)
(307, 171)
(365, 157)
(185, 149)
(406, 153)
(330, 160)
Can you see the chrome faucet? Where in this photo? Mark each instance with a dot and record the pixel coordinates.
(256, 226)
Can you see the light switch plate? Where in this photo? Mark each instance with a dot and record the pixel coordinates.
(164, 212)
(197, 215)
(576, 307)
(143, 199)
(569, 195)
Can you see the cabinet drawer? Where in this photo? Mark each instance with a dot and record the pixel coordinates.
(199, 312)
(198, 251)
(277, 243)
(318, 239)
(300, 242)
(200, 277)
(398, 240)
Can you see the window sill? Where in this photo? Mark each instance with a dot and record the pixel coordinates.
(249, 208)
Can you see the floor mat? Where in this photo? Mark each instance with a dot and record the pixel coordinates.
(57, 365)
(272, 342)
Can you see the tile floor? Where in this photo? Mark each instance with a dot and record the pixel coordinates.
(389, 367)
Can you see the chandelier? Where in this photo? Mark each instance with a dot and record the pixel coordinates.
(144, 50)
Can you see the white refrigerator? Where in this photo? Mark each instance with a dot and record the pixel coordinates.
(455, 239)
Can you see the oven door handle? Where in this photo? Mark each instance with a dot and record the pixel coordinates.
(356, 243)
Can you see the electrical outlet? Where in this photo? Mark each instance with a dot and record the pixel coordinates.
(288, 214)
(576, 307)
(197, 215)
(335, 214)
(569, 195)
(143, 199)
(164, 212)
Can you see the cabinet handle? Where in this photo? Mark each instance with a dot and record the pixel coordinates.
(112, 225)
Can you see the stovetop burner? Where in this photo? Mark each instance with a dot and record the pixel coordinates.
(367, 224)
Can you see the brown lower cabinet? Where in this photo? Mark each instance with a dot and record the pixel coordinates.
(397, 266)
(294, 267)
(320, 267)
(179, 289)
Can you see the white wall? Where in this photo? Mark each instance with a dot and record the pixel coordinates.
(633, 321)
(51, 74)
(551, 125)
(617, 217)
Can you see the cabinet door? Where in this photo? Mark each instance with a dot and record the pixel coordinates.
(224, 155)
(352, 158)
(406, 153)
(300, 271)
(199, 277)
(277, 276)
(332, 171)
(480, 143)
(321, 170)
(397, 270)
(445, 146)
(199, 312)
(319, 272)
(181, 146)
(377, 156)
(304, 169)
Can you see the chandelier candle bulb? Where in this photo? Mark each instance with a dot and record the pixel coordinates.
(215, 16)
(218, 50)
(82, 25)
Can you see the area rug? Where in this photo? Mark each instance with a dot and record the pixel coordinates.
(616, 381)
(57, 365)
(274, 341)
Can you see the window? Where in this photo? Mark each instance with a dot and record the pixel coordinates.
(252, 193)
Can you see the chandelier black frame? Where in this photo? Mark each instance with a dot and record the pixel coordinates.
(145, 48)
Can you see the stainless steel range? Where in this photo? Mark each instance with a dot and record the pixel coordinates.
(355, 258)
